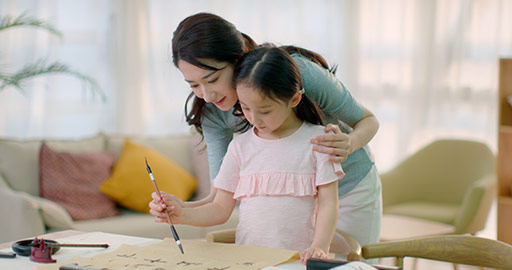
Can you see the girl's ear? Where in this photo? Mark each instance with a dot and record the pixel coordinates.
(297, 97)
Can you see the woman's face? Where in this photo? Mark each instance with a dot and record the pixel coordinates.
(213, 86)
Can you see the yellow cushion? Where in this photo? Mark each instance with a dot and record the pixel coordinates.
(130, 185)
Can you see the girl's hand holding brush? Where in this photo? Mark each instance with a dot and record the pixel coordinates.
(170, 203)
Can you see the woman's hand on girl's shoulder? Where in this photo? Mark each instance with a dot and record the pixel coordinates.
(159, 205)
(337, 144)
(312, 252)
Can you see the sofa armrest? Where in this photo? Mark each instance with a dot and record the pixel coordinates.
(3, 183)
(54, 216)
(26, 221)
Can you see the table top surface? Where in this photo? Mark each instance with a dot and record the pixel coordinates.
(114, 240)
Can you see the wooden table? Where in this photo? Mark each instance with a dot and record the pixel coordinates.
(114, 240)
(72, 236)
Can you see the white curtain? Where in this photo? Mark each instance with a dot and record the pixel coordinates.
(426, 68)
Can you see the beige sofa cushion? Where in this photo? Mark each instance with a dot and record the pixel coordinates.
(143, 225)
(19, 160)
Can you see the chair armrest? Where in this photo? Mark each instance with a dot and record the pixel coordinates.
(26, 220)
(224, 236)
(463, 249)
(475, 207)
(354, 248)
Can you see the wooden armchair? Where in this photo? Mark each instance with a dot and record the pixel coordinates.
(342, 244)
(458, 249)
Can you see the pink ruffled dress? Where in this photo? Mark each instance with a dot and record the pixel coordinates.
(276, 183)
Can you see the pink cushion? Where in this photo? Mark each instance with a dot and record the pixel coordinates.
(72, 180)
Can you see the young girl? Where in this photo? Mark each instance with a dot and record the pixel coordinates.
(288, 193)
(206, 48)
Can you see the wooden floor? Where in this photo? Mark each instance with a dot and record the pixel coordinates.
(490, 231)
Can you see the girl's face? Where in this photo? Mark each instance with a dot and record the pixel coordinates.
(271, 118)
(213, 86)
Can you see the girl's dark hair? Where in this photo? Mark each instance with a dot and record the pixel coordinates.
(205, 35)
(272, 71)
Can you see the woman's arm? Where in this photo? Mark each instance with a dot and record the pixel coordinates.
(327, 216)
(339, 145)
(338, 104)
(213, 213)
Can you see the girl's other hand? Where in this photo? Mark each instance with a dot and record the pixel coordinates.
(337, 145)
(168, 202)
(312, 252)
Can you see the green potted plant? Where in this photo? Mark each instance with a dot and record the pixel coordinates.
(41, 66)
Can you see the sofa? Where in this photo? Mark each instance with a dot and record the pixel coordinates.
(25, 213)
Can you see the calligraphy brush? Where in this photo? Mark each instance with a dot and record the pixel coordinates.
(72, 245)
(173, 230)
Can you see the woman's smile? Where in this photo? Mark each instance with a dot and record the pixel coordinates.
(219, 103)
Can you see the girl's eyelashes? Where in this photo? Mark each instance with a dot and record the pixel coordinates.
(214, 80)
(247, 109)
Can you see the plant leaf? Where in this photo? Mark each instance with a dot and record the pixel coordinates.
(7, 22)
(42, 68)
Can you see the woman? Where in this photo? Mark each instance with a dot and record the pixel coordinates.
(206, 48)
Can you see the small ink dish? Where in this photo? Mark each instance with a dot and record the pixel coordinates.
(22, 247)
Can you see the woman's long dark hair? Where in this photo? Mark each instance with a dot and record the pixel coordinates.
(273, 72)
(313, 56)
(208, 36)
(205, 35)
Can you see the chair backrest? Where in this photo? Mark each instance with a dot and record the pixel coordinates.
(443, 170)
(459, 249)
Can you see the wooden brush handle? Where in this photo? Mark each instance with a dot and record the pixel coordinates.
(75, 245)
(82, 245)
